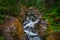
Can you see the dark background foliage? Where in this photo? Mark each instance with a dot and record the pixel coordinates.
(50, 8)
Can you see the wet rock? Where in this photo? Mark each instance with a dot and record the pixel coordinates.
(43, 28)
(13, 30)
(33, 12)
(54, 36)
(22, 14)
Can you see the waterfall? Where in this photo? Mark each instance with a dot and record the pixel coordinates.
(28, 27)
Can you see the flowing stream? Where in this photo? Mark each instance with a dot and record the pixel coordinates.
(28, 27)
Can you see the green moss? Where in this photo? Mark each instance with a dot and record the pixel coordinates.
(1, 38)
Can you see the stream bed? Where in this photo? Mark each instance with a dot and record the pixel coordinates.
(28, 27)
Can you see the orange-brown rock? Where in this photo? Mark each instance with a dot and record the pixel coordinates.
(34, 10)
(54, 36)
(13, 30)
(23, 13)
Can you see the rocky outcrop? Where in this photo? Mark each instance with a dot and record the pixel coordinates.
(54, 36)
(43, 28)
(23, 13)
(13, 30)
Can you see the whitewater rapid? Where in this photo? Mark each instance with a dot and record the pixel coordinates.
(28, 27)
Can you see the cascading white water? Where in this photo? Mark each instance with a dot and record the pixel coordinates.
(28, 27)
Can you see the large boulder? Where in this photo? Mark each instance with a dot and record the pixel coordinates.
(54, 36)
(43, 28)
(13, 30)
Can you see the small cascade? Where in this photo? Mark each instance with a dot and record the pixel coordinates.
(28, 27)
